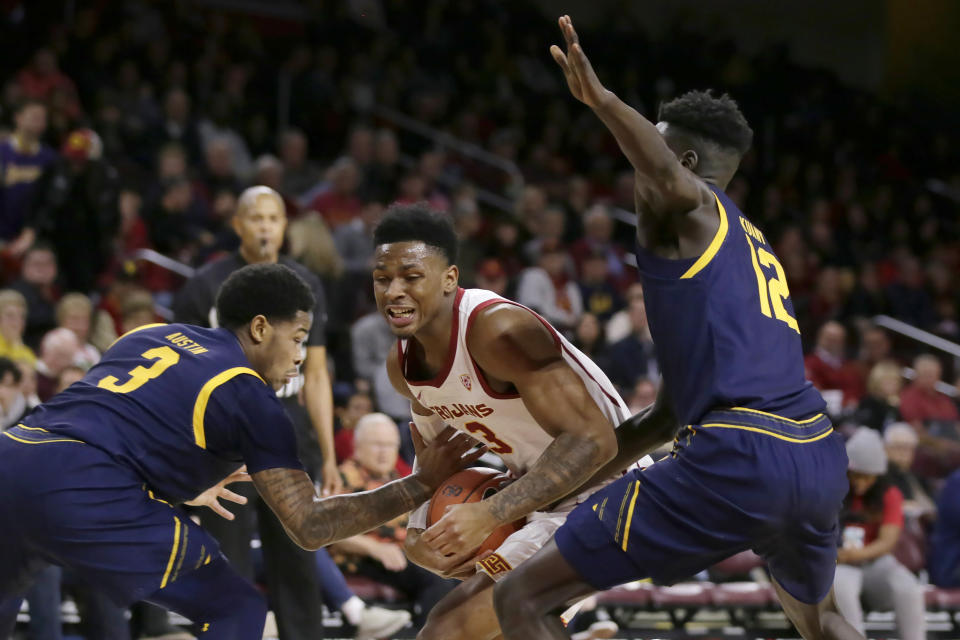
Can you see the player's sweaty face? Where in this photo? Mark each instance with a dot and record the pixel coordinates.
(409, 282)
(285, 349)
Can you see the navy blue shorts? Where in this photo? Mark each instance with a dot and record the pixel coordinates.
(740, 480)
(67, 503)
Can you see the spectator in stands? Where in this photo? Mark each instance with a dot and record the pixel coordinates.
(77, 211)
(548, 290)
(382, 177)
(23, 159)
(68, 376)
(300, 173)
(310, 243)
(43, 80)
(643, 395)
(900, 441)
(339, 203)
(549, 232)
(934, 415)
(173, 230)
(907, 297)
(220, 170)
(176, 126)
(872, 520)
(13, 323)
(944, 554)
(13, 404)
(588, 336)
(632, 357)
(379, 554)
(136, 310)
(491, 275)
(600, 295)
(38, 284)
(620, 324)
(880, 406)
(268, 170)
(921, 403)
(354, 239)
(875, 347)
(348, 412)
(75, 312)
(831, 372)
(58, 350)
(597, 241)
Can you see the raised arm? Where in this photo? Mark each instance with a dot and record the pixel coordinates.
(312, 522)
(512, 346)
(667, 186)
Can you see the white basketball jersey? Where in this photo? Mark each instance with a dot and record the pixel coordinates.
(461, 397)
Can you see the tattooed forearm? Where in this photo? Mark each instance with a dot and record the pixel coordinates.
(313, 523)
(565, 464)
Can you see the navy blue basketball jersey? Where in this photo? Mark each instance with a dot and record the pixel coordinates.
(724, 327)
(180, 405)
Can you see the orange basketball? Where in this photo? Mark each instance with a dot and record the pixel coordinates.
(473, 485)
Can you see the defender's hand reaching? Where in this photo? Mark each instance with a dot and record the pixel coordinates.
(583, 82)
(444, 456)
(210, 497)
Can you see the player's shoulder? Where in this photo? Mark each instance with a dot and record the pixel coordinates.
(502, 329)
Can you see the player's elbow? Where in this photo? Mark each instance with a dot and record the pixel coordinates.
(605, 441)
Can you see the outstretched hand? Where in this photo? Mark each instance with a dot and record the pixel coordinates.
(211, 497)
(582, 80)
(444, 456)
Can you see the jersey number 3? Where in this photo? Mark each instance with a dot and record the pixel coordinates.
(164, 358)
(773, 291)
(496, 444)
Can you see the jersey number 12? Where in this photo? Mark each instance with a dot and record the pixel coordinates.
(165, 358)
(773, 291)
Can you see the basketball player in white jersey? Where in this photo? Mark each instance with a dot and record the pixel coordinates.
(495, 369)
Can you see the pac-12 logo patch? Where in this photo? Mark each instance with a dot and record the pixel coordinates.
(467, 382)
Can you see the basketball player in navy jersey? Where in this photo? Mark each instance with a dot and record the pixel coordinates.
(758, 465)
(91, 479)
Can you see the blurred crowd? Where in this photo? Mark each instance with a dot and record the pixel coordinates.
(134, 126)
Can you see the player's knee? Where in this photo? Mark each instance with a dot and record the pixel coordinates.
(513, 604)
(452, 623)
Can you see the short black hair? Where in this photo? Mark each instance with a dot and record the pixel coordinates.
(418, 223)
(9, 366)
(274, 291)
(717, 119)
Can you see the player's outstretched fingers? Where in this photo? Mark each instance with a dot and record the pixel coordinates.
(569, 33)
(226, 494)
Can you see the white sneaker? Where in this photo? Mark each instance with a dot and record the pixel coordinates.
(597, 631)
(377, 622)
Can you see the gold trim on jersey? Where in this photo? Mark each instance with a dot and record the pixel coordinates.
(135, 329)
(13, 437)
(776, 417)
(200, 407)
(173, 552)
(633, 502)
(766, 432)
(711, 251)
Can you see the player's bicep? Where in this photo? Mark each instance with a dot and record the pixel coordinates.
(512, 345)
